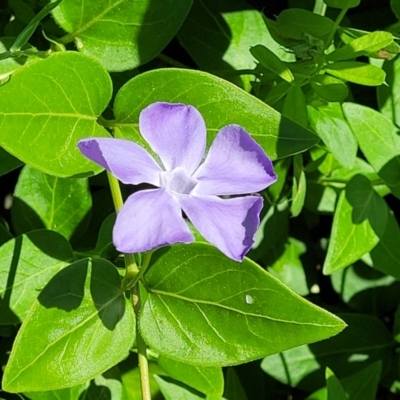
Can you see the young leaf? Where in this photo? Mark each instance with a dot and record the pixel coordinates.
(329, 123)
(48, 106)
(363, 45)
(220, 102)
(85, 325)
(207, 380)
(120, 34)
(205, 309)
(357, 72)
(26, 265)
(44, 201)
(272, 62)
(360, 220)
(335, 388)
(329, 88)
(378, 140)
(342, 3)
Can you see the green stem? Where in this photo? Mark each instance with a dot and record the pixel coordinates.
(319, 7)
(143, 268)
(335, 26)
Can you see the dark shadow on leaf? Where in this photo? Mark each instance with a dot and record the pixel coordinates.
(96, 392)
(24, 217)
(390, 174)
(66, 289)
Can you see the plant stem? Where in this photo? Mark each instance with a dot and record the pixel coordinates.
(319, 7)
(130, 280)
(335, 26)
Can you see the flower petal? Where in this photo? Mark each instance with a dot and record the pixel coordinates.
(150, 219)
(228, 224)
(176, 132)
(126, 160)
(235, 164)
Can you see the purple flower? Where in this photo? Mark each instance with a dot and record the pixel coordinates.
(235, 165)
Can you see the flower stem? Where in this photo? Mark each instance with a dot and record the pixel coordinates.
(130, 280)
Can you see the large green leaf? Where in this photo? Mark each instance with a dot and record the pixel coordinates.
(121, 34)
(71, 393)
(329, 123)
(205, 309)
(378, 140)
(357, 72)
(48, 106)
(44, 201)
(220, 103)
(80, 326)
(27, 263)
(360, 220)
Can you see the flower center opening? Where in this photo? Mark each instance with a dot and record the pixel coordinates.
(177, 181)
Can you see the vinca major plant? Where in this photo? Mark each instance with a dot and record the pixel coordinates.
(199, 199)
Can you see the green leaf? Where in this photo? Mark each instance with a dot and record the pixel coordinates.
(395, 6)
(335, 388)
(293, 23)
(396, 328)
(360, 220)
(26, 265)
(361, 46)
(233, 388)
(342, 3)
(220, 102)
(102, 388)
(207, 380)
(329, 123)
(174, 390)
(121, 34)
(8, 162)
(294, 106)
(299, 187)
(378, 140)
(289, 268)
(48, 106)
(44, 201)
(205, 309)
(272, 62)
(5, 234)
(357, 72)
(329, 88)
(218, 35)
(72, 393)
(365, 341)
(85, 325)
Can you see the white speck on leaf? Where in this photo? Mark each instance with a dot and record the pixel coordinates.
(249, 299)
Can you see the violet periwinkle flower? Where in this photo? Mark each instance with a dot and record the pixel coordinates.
(235, 165)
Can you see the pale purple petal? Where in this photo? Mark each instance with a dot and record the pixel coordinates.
(126, 160)
(235, 164)
(150, 219)
(229, 224)
(176, 132)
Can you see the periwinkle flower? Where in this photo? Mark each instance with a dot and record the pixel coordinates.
(235, 165)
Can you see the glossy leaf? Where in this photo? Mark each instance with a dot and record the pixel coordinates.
(8, 162)
(220, 103)
(44, 201)
(360, 220)
(357, 72)
(272, 62)
(329, 123)
(207, 380)
(27, 263)
(329, 88)
(365, 341)
(362, 46)
(378, 140)
(48, 106)
(174, 390)
(191, 315)
(120, 34)
(78, 314)
(335, 388)
(342, 3)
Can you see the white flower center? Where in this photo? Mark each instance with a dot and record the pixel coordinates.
(177, 181)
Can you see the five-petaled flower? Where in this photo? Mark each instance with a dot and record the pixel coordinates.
(235, 165)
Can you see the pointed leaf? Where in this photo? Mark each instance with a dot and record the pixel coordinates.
(360, 220)
(27, 263)
(59, 204)
(378, 140)
(120, 34)
(48, 106)
(335, 388)
(357, 72)
(8, 162)
(205, 309)
(85, 325)
(220, 102)
(299, 186)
